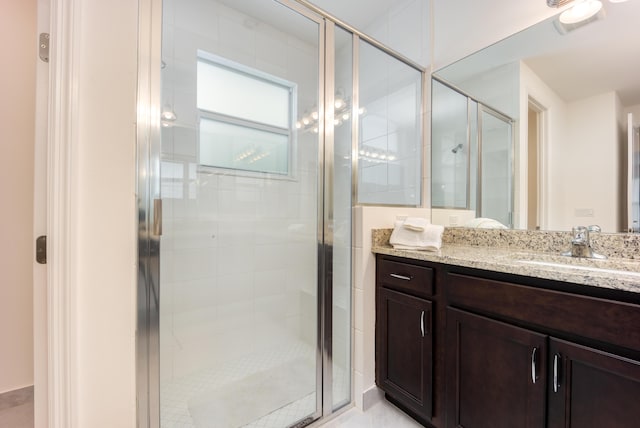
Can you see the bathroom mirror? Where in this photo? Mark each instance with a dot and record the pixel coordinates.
(562, 99)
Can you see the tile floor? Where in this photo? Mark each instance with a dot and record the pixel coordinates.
(176, 395)
(381, 415)
(16, 411)
(16, 408)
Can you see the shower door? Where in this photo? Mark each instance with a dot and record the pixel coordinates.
(245, 259)
(496, 165)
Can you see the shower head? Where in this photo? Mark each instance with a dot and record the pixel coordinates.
(456, 148)
(557, 3)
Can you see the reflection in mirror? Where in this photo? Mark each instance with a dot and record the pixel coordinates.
(472, 172)
(450, 144)
(569, 94)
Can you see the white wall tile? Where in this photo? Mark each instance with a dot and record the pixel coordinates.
(271, 308)
(358, 343)
(364, 282)
(271, 256)
(234, 260)
(270, 334)
(191, 295)
(235, 315)
(234, 343)
(192, 234)
(358, 310)
(234, 288)
(194, 356)
(357, 389)
(190, 264)
(270, 282)
(200, 16)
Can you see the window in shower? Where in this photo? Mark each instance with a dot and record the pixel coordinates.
(244, 117)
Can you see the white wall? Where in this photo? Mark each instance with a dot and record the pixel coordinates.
(451, 217)
(17, 128)
(586, 167)
(581, 158)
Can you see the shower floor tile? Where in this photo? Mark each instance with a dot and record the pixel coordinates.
(176, 395)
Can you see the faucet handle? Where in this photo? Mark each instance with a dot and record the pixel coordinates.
(580, 235)
(594, 228)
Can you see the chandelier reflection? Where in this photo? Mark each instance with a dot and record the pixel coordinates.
(342, 110)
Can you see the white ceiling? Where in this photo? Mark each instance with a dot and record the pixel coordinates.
(599, 57)
(357, 13)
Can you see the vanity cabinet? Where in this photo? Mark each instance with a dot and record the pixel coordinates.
(466, 348)
(404, 336)
(591, 388)
(493, 373)
(517, 357)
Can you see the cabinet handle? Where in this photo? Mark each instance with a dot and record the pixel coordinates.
(533, 365)
(402, 277)
(422, 323)
(556, 383)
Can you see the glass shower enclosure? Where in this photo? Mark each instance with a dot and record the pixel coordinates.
(245, 253)
(250, 118)
(245, 266)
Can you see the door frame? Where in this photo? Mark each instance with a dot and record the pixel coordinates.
(543, 151)
(63, 122)
(40, 217)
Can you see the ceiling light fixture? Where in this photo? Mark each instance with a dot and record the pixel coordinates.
(580, 12)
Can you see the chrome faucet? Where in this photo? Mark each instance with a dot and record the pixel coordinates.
(581, 243)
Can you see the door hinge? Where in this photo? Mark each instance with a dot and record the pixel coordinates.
(41, 250)
(43, 47)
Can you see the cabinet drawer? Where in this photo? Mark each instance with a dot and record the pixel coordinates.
(603, 320)
(405, 277)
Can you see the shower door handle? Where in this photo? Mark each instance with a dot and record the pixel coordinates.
(157, 217)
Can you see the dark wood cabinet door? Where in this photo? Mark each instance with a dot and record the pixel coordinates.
(592, 389)
(404, 350)
(495, 374)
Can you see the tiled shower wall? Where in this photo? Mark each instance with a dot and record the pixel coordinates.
(238, 253)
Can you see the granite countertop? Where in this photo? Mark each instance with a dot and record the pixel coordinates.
(613, 273)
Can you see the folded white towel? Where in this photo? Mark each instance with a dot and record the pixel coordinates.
(485, 223)
(415, 223)
(429, 239)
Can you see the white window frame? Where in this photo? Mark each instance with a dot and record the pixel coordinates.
(290, 131)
